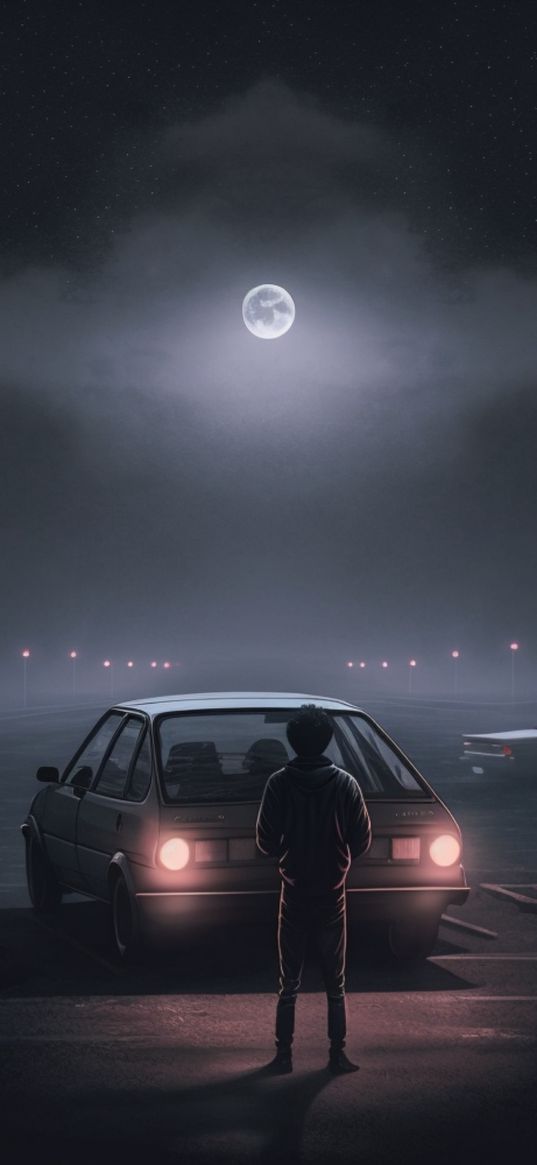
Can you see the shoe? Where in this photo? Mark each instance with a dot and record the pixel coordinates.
(281, 1064)
(339, 1062)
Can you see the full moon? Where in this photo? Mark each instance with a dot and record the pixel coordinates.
(268, 311)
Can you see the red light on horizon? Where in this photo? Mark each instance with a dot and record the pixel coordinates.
(513, 646)
(73, 654)
(167, 664)
(350, 663)
(107, 663)
(130, 663)
(384, 663)
(25, 654)
(362, 663)
(455, 654)
(153, 663)
(412, 663)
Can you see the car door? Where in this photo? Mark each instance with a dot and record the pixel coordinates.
(110, 819)
(63, 802)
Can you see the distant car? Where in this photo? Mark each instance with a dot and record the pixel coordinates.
(509, 753)
(155, 814)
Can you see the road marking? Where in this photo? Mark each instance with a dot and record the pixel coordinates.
(147, 1002)
(72, 942)
(153, 1041)
(522, 900)
(47, 710)
(458, 922)
(493, 998)
(488, 958)
(520, 885)
(83, 1039)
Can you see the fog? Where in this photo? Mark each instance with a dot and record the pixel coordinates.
(363, 487)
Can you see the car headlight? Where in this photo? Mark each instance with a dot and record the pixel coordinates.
(174, 854)
(445, 850)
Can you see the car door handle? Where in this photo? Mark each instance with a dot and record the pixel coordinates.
(118, 821)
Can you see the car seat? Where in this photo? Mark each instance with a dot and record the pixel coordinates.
(265, 756)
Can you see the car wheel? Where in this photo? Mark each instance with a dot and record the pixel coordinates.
(45, 892)
(408, 940)
(125, 929)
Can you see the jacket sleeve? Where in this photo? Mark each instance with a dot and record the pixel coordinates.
(269, 826)
(358, 824)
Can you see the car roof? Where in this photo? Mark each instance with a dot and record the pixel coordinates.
(207, 701)
(516, 734)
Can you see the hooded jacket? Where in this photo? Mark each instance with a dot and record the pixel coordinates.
(314, 819)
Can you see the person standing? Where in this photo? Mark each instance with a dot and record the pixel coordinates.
(314, 819)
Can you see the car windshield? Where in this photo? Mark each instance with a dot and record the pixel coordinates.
(228, 756)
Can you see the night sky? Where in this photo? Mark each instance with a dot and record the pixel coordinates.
(365, 485)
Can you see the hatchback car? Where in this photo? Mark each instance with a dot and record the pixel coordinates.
(156, 814)
(507, 753)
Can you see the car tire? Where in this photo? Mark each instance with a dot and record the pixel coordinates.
(126, 935)
(44, 890)
(410, 941)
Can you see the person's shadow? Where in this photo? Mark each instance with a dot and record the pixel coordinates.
(248, 1115)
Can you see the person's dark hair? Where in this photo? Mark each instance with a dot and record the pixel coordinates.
(309, 730)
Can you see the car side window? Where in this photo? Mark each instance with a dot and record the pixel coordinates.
(113, 776)
(94, 751)
(381, 751)
(140, 779)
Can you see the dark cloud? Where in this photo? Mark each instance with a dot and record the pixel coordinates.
(271, 159)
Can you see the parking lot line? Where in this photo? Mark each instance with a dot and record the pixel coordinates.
(470, 926)
(500, 891)
(487, 958)
(493, 998)
(520, 885)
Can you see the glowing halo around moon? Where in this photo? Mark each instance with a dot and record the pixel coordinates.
(268, 311)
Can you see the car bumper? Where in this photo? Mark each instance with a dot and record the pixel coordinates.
(478, 762)
(190, 909)
(411, 902)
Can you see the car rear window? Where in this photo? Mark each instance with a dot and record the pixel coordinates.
(228, 756)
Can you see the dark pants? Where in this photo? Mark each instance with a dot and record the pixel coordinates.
(322, 917)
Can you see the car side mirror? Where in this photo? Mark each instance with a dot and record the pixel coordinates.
(49, 774)
(82, 779)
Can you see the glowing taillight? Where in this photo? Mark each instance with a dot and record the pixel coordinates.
(445, 850)
(406, 849)
(174, 854)
(507, 751)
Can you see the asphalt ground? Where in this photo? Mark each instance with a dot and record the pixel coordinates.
(164, 1061)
